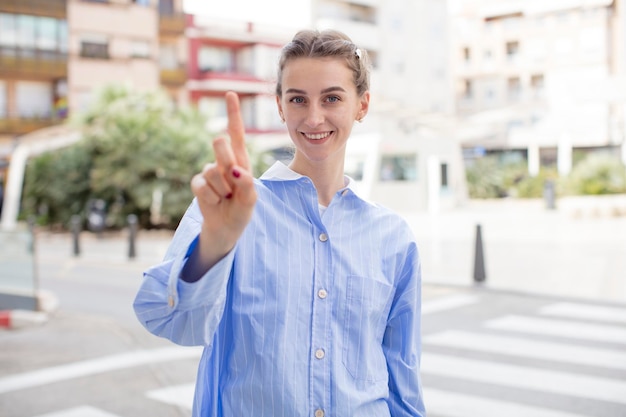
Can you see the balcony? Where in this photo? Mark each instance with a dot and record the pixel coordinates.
(20, 62)
(173, 76)
(46, 8)
(172, 24)
(21, 126)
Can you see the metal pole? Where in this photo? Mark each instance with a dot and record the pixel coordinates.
(76, 226)
(132, 235)
(479, 258)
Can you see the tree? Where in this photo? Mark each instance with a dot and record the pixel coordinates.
(137, 149)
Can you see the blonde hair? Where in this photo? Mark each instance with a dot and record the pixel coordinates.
(323, 44)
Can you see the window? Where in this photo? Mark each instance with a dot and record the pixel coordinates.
(8, 30)
(467, 54)
(166, 7)
(94, 46)
(398, 168)
(140, 49)
(33, 99)
(215, 59)
(167, 56)
(512, 50)
(468, 88)
(537, 83)
(3, 100)
(514, 88)
(142, 2)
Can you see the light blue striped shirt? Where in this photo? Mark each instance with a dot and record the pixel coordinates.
(308, 315)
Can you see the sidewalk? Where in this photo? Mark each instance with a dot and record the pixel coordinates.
(527, 249)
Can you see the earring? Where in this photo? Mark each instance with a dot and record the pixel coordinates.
(282, 118)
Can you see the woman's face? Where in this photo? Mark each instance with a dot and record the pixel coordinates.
(320, 104)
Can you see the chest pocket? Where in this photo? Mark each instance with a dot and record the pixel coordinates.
(365, 317)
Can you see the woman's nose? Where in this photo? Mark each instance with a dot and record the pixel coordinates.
(315, 116)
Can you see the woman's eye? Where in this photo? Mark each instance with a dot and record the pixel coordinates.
(297, 100)
(333, 99)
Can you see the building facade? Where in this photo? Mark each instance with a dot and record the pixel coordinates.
(540, 80)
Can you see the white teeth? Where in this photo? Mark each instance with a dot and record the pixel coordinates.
(317, 136)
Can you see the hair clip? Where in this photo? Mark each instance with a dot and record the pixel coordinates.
(357, 52)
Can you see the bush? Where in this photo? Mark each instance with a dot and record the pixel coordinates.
(597, 174)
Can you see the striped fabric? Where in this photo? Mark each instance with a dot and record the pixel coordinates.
(309, 315)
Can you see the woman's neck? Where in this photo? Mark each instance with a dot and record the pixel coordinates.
(327, 177)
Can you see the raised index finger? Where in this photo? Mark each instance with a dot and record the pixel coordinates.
(236, 130)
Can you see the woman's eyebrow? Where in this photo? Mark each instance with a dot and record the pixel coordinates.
(324, 91)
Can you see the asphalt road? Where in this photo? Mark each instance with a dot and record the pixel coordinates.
(486, 352)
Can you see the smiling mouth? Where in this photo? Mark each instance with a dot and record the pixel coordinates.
(317, 136)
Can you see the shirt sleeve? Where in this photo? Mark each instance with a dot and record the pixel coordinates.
(402, 341)
(183, 312)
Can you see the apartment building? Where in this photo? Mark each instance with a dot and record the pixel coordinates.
(33, 66)
(240, 56)
(56, 54)
(538, 80)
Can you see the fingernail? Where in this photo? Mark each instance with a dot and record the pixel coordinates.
(236, 173)
(229, 196)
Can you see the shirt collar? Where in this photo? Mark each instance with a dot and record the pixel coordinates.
(281, 172)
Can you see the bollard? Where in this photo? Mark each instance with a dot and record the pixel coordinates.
(479, 258)
(549, 194)
(76, 226)
(132, 235)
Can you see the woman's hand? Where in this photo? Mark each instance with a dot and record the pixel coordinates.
(225, 193)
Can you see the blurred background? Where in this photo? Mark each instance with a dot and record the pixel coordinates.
(497, 129)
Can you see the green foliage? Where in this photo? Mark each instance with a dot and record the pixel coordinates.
(488, 177)
(135, 144)
(485, 179)
(597, 174)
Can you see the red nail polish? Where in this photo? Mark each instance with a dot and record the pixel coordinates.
(236, 173)
(229, 196)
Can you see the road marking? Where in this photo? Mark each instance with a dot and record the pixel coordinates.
(449, 404)
(84, 411)
(574, 385)
(179, 395)
(561, 328)
(516, 346)
(586, 311)
(95, 366)
(448, 303)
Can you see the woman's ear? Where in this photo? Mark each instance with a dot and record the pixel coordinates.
(364, 106)
(280, 109)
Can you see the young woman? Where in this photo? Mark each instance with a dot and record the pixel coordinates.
(305, 296)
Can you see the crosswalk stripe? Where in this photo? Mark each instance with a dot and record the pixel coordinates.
(586, 311)
(450, 404)
(448, 303)
(82, 411)
(179, 395)
(575, 385)
(516, 346)
(561, 328)
(94, 366)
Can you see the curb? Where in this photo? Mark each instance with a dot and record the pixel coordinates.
(15, 319)
(18, 318)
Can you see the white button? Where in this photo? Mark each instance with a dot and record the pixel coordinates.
(322, 293)
(319, 413)
(323, 237)
(319, 353)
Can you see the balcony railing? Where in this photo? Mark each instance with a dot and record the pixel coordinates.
(21, 126)
(172, 24)
(173, 77)
(32, 62)
(47, 8)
